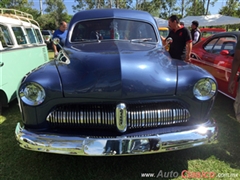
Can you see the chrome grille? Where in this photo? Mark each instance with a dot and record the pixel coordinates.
(103, 116)
(79, 115)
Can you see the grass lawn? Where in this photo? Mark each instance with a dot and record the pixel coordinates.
(222, 158)
(50, 54)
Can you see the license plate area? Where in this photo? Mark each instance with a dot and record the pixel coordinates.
(121, 146)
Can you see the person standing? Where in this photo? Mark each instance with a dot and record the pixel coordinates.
(232, 83)
(60, 33)
(181, 46)
(195, 32)
(182, 23)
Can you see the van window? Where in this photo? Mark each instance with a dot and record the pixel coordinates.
(39, 37)
(19, 34)
(31, 35)
(5, 37)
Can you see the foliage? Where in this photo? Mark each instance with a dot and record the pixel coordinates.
(99, 4)
(151, 6)
(46, 21)
(15, 4)
(34, 12)
(21, 5)
(232, 8)
(57, 10)
(168, 7)
(199, 7)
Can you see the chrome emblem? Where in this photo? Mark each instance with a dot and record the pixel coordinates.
(121, 117)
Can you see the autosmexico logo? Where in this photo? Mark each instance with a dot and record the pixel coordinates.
(186, 174)
(121, 117)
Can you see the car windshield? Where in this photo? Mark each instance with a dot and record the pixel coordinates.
(105, 29)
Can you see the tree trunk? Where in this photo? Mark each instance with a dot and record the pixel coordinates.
(203, 7)
(208, 2)
(182, 8)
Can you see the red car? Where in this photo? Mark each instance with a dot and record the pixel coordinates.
(215, 54)
(206, 32)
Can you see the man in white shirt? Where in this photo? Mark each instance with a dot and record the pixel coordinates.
(195, 32)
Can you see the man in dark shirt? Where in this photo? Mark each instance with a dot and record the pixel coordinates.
(181, 46)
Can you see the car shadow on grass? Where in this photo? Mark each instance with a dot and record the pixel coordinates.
(17, 163)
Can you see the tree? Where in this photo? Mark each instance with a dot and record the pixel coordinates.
(21, 5)
(152, 6)
(149, 6)
(198, 7)
(46, 21)
(232, 8)
(13, 4)
(87, 4)
(209, 2)
(168, 8)
(195, 8)
(57, 11)
(98, 4)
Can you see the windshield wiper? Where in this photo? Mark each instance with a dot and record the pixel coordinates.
(141, 40)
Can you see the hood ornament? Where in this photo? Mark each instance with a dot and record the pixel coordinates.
(121, 117)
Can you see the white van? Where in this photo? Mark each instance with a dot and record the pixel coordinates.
(22, 49)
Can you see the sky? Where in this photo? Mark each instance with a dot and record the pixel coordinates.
(70, 3)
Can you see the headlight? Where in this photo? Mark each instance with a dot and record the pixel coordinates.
(204, 89)
(32, 94)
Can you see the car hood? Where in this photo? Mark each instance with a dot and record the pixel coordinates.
(117, 70)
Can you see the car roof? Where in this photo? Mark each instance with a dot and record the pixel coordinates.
(112, 13)
(228, 33)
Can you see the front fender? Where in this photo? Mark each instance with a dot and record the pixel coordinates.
(48, 77)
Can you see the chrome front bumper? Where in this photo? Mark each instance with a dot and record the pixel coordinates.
(121, 145)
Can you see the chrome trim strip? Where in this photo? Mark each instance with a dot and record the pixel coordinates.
(121, 145)
(226, 95)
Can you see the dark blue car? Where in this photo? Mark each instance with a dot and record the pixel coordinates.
(114, 90)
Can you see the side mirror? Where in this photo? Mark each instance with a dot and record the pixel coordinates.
(224, 52)
(169, 40)
(56, 41)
